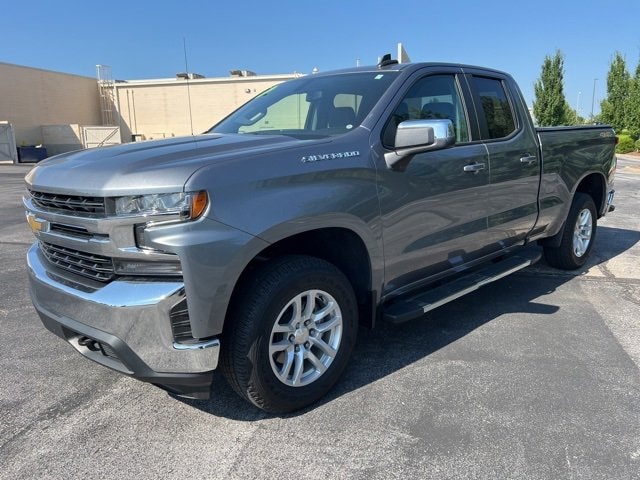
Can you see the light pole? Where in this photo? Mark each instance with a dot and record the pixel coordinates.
(593, 98)
(578, 107)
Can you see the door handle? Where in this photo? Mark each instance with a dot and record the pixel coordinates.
(529, 159)
(474, 167)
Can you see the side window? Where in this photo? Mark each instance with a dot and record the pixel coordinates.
(495, 107)
(436, 96)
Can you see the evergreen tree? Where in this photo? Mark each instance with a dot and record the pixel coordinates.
(550, 108)
(613, 107)
(571, 116)
(632, 112)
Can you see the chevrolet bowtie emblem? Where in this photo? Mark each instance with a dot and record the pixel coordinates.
(37, 224)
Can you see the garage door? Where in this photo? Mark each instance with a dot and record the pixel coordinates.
(7, 143)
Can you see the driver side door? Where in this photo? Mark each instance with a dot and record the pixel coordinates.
(434, 213)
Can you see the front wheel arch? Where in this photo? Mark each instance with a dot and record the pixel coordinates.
(260, 304)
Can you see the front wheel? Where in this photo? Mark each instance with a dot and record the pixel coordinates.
(578, 235)
(292, 327)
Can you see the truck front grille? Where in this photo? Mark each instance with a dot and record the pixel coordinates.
(70, 231)
(86, 264)
(69, 203)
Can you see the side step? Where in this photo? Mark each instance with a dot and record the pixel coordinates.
(403, 310)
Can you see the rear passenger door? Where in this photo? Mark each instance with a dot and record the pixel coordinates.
(514, 164)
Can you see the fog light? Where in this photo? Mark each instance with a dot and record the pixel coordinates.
(137, 267)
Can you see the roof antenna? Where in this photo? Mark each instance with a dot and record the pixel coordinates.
(386, 60)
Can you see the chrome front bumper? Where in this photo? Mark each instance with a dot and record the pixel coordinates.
(130, 317)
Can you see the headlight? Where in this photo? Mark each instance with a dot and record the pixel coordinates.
(185, 205)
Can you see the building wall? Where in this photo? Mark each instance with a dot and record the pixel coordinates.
(160, 108)
(48, 107)
(31, 98)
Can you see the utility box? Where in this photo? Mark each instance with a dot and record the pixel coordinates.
(62, 138)
(31, 154)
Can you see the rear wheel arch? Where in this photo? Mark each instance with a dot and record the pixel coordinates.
(594, 185)
(578, 235)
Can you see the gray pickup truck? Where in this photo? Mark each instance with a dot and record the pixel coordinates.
(327, 202)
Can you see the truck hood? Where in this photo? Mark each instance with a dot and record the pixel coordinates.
(156, 166)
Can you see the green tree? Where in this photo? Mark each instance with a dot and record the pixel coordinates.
(632, 111)
(572, 116)
(550, 107)
(613, 107)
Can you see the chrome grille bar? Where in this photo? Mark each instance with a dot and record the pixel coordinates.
(86, 264)
(69, 203)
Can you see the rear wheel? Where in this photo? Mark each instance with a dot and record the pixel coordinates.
(291, 331)
(578, 235)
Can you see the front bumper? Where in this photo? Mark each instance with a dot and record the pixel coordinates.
(123, 325)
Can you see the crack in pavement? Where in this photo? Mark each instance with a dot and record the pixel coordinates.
(24, 244)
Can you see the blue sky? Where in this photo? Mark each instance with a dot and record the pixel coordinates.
(144, 39)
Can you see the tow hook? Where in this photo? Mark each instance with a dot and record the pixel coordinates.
(90, 343)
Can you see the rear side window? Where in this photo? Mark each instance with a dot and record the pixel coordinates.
(494, 107)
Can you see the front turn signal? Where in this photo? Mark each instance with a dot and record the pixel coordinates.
(199, 201)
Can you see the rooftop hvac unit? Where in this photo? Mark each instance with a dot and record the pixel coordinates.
(242, 73)
(190, 76)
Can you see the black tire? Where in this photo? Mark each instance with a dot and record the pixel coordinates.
(258, 306)
(565, 256)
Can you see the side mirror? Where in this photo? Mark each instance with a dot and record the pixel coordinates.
(418, 136)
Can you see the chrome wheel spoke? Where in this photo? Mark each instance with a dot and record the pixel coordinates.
(329, 324)
(315, 361)
(311, 303)
(298, 367)
(286, 366)
(323, 312)
(322, 345)
(279, 346)
(297, 309)
(287, 328)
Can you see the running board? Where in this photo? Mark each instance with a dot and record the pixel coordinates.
(403, 310)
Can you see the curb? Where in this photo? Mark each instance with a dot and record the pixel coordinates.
(630, 158)
(10, 162)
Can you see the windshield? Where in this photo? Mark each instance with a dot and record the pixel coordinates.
(310, 107)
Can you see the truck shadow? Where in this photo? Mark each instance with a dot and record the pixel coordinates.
(610, 242)
(389, 348)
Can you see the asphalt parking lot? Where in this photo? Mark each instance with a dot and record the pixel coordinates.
(534, 377)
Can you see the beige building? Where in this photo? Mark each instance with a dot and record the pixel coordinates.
(65, 112)
(174, 107)
(31, 98)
